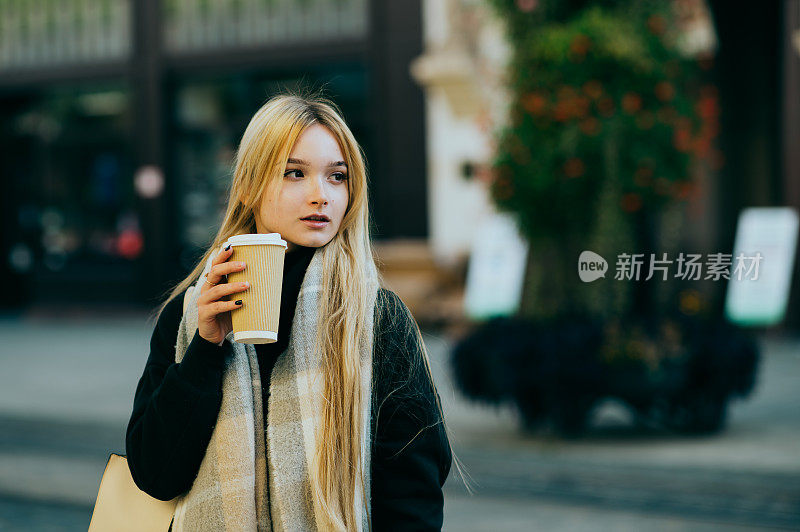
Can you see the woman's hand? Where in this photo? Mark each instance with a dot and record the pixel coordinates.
(213, 314)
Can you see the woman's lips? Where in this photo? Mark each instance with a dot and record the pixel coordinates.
(315, 224)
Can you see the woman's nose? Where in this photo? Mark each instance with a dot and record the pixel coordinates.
(318, 192)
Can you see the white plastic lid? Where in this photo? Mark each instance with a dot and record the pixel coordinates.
(256, 238)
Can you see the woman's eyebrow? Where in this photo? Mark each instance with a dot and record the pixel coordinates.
(301, 162)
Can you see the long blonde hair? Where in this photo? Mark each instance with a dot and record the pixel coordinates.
(348, 261)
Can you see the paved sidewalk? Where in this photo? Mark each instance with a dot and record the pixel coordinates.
(66, 389)
(749, 474)
(761, 436)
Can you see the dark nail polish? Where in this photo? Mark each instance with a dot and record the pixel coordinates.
(227, 248)
(238, 301)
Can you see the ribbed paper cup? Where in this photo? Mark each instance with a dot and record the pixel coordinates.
(256, 321)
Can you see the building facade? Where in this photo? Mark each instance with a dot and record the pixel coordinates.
(119, 120)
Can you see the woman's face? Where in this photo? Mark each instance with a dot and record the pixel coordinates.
(315, 182)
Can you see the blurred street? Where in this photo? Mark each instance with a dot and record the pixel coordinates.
(615, 174)
(67, 387)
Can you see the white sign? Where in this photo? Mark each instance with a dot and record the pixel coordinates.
(770, 234)
(496, 269)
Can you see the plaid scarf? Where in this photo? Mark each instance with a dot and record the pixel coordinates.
(231, 491)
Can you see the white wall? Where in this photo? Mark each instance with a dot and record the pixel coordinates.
(455, 205)
(461, 72)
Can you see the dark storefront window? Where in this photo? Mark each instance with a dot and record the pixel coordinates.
(119, 124)
(72, 231)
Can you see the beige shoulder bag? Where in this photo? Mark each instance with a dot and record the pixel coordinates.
(121, 506)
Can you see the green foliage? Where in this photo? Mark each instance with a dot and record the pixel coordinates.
(606, 122)
(601, 96)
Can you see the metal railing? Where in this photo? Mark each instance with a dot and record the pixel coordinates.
(211, 24)
(43, 33)
(39, 33)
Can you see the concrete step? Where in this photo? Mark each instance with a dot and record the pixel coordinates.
(433, 292)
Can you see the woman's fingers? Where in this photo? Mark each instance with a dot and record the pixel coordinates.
(213, 276)
(210, 312)
(214, 312)
(222, 306)
(220, 268)
(225, 268)
(218, 292)
(212, 293)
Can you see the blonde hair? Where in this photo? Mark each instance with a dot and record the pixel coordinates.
(348, 260)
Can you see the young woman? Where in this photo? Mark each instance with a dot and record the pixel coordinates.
(337, 425)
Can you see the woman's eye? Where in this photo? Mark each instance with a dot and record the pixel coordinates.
(338, 175)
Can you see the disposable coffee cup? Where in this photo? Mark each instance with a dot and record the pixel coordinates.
(256, 321)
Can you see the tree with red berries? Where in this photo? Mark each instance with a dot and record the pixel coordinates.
(608, 123)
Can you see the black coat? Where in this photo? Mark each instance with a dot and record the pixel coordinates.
(176, 407)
